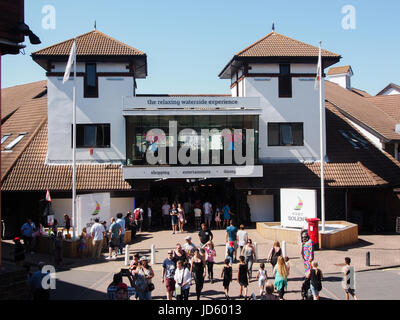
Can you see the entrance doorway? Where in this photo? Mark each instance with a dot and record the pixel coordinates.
(187, 191)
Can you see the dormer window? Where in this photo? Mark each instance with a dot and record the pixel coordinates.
(5, 137)
(13, 143)
(285, 81)
(91, 89)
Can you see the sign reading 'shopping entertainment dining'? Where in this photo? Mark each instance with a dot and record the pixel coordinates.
(296, 206)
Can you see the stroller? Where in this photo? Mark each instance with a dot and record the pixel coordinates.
(306, 293)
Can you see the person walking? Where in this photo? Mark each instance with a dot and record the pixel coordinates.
(315, 276)
(242, 277)
(349, 279)
(174, 218)
(197, 214)
(307, 251)
(218, 218)
(210, 257)
(114, 238)
(180, 255)
(165, 209)
(280, 274)
(198, 270)
(230, 249)
(138, 217)
(243, 236)
(149, 215)
(121, 222)
(143, 275)
(27, 231)
(189, 248)
(205, 235)
(182, 279)
(82, 249)
(168, 274)
(274, 253)
(67, 223)
(231, 235)
(97, 233)
(249, 253)
(226, 275)
(227, 215)
(208, 211)
(262, 278)
(181, 217)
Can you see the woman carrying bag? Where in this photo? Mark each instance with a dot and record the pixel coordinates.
(182, 279)
(315, 276)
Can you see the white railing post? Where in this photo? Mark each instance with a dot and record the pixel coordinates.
(284, 248)
(127, 255)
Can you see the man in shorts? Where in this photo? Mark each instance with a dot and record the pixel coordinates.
(205, 234)
(115, 233)
(169, 267)
(348, 282)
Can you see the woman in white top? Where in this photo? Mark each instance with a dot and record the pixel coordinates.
(242, 237)
(182, 279)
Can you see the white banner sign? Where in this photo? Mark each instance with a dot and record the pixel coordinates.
(189, 102)
(140, 172)
(92, 206)
(296, 206)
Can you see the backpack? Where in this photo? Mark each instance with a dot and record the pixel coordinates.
(136, 214)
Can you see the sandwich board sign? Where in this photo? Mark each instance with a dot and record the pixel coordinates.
(296, 206)
(92, 206)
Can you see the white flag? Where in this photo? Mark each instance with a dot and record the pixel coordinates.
(71, 60)
(319, 70)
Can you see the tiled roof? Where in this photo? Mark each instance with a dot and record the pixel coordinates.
(347, 167)
(360, 92)
(361, 110)
(390, 104)
(338, 70)
(390, 85)
(28, 119)
(278, 45)
(92, 43)
(30, 172)
(14, 97)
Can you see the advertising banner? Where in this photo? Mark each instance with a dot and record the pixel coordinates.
(92, 206)
(296, 206)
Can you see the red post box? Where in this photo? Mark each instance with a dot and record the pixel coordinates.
(313, 230)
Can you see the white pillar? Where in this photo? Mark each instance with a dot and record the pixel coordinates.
(153, 254)
(127, 255)
(284, 248)
(255, 249)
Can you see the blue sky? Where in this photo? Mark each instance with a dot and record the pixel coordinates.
(189, 42)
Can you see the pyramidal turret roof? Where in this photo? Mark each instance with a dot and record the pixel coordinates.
(278, 45)
(93, 43)
(275, 47)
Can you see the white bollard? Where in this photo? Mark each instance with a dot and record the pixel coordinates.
(284, 248)
(127, 255)
(153, 254)
(256, 251)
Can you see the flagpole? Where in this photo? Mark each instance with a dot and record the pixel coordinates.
(321, 136)
(74, 151)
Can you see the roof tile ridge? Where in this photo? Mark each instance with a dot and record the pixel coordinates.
(34, 134)
(57, 44)
(116, 40)
(258, 41)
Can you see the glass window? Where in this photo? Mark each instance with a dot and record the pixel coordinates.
(4, 138)
(285, 134)
(91, 83)
(92, 135)
(13, 143)
(285, 81)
